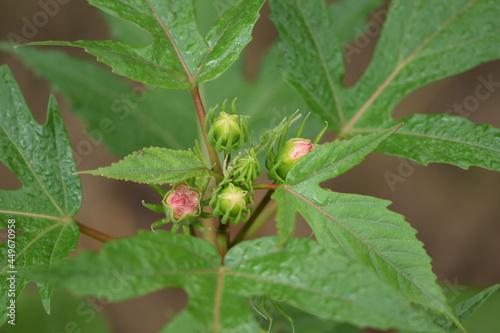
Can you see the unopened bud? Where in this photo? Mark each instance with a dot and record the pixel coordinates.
(290, 154)
(228, 131)
(182, 203)
(246, 168)
(231, 202)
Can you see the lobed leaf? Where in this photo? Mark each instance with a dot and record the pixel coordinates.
(43, 209)
(333, 159)
(307, 41)
(455, 35)
(325, 162)
(155, 166)
(179, 57)
(299, 273)
(446, 139)
(227, 38)
(112, 108)
(359, 226)
(349, 17)
(363, 228)
(126, 31)
(421, 42)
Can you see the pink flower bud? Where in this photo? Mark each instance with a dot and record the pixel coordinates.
(290, 154)
(300, 149)
(182, 202)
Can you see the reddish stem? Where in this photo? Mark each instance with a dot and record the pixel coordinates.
(200, 110)
(266, 186)
(97, 235)
(263, 203)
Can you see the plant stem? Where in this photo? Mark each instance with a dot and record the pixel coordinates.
(256, 216)
(210, 234)
(97, 235)
(192, 232)
(160, 190)
(222, 233)
(223, 239)
(265, 186)
(216, 175)
(263, 218)
(200, 110)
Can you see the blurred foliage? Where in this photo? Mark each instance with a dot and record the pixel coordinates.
(487, 318)
(68, 315)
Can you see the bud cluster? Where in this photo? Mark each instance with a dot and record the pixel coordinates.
(231, 194)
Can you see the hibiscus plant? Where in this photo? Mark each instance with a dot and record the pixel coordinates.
(223, 168)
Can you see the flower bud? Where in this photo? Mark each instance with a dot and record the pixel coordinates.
(246, 169)
(182, 202)
(290, 154)
(228, 131)
(231, 203)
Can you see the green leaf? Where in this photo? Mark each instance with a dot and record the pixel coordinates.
(333, 159)
(349, 17)
(302, 274)
(468, 307)
(227, 38)
(218, 295)
(455, 35)
(363, 228)
(113, 109)
(43, 209)
(155, 166)
(69, 314)
(431, 138)
(266, 100)
(359, 226)
(178, 56)
(316, 55)
(303, 321)
(126, 31)
(326, 162)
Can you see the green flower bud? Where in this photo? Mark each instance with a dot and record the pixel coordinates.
(290, 154)
(231, 202)
(182, 203)
(246, 169)
(227, 132)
